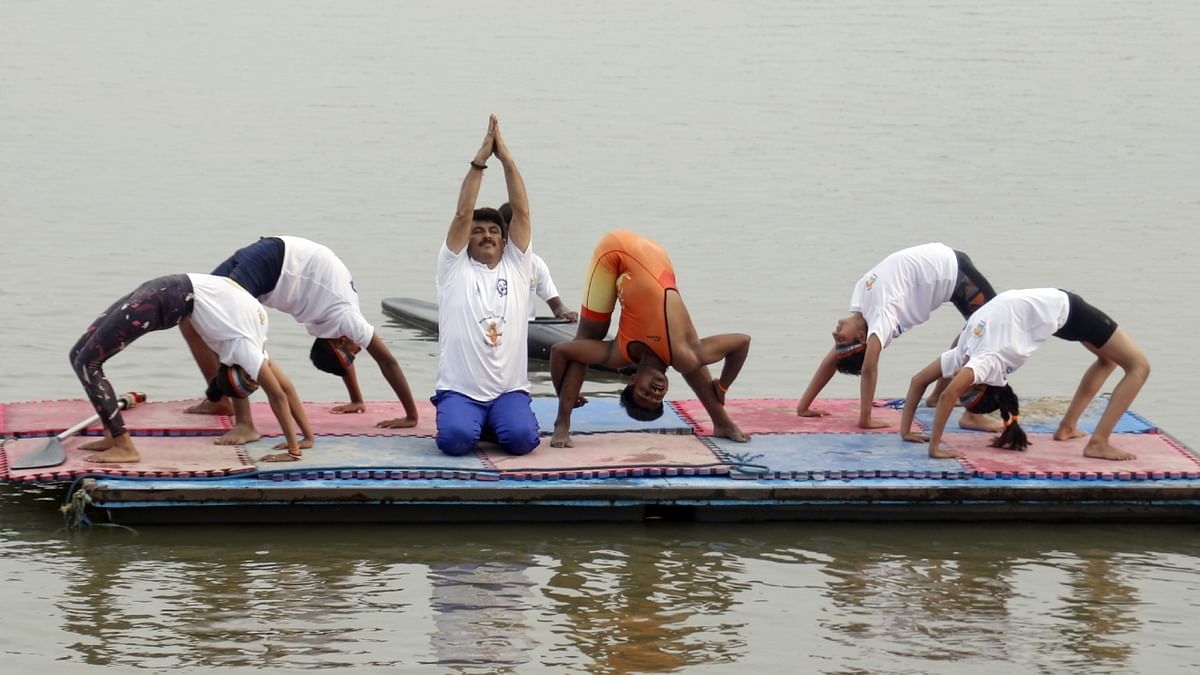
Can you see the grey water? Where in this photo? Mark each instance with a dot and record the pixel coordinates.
(777, 149)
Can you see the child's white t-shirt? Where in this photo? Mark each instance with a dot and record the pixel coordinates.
(230, 321)
(1002, 334)
(902, 291)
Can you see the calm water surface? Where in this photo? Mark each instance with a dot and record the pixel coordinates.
(776, 148)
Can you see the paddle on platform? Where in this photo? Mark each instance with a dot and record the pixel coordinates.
(52, 453)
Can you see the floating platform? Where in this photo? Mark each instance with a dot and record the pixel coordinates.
(619, 469)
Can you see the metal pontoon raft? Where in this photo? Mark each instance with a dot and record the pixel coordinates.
(793, 469)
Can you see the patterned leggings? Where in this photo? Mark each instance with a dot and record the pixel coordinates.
(158, 304)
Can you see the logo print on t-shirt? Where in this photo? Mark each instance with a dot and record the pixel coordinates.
(869, 282)
(493, 332)
(502, 287)
(979, 329)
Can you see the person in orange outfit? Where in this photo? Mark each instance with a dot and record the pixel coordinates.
(655, 331)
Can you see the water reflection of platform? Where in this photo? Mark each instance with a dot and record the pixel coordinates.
(793, 469)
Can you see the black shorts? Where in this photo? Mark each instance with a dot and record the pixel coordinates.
(1086, 323)
(256, 267)
(971, 290)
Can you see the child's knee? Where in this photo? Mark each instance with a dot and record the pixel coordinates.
(85, 369)
(79, 362)
(1139, 367)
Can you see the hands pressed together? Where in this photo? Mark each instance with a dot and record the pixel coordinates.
(493, 144)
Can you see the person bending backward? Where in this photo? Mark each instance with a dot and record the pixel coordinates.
(895, 296)
(308, 281)
(996, 342)
(229, 321)
(541, 285)
(483, 350)
(655, 331)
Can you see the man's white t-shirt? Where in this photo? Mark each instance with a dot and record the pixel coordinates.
(230, 321)
(483, 327)
(1002, 334)
(540, 284)
(316, 288)
(902, 291)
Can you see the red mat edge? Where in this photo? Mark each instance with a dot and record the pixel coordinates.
(34, 433)
(52, 475)
(698, 428)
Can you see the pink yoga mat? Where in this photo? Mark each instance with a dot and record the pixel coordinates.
(607, 451)
(1046, 457)
(774, 416)
(325, 423)
(157, 418)
(162, 457)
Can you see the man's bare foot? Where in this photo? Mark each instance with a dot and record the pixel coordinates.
(1066, 434)
(945, 453)
(811, 412)
(1101, 450)
(348, 408)
(115, 455)
(561, 438)
(98, 444)
(239, 434)
(206, 407)
(970, 420)
(281, 457)
(732, 432)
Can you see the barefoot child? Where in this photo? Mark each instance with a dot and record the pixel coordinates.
(655, 331)
(997, 341)
(226, 318)
(892, 298)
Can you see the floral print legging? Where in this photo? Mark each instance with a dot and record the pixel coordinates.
(158, 304)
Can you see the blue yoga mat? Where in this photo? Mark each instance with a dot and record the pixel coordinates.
(797, 455)
(606, 414)
(367, 452)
